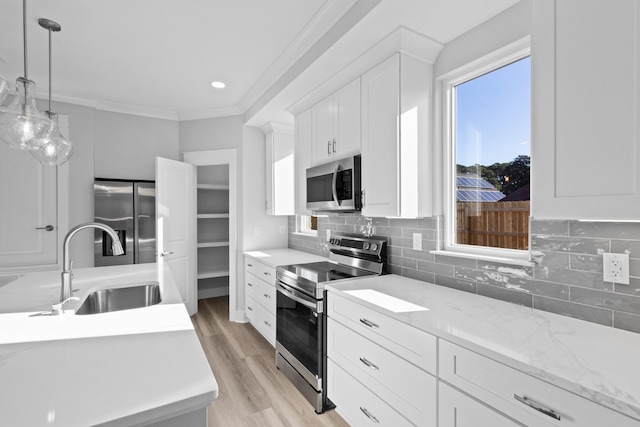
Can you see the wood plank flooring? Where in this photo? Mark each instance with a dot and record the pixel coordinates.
(253, 392)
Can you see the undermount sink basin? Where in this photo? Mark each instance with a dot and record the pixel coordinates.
(116, 299)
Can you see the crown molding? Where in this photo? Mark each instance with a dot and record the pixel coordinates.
(277, 127)
(401, 39)
(211, 113)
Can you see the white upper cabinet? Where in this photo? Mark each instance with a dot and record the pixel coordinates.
(585, 99)
(396, 143)
(302, 160)
(335, 125)
(279, 169)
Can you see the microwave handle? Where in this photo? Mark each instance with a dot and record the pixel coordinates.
(334, 181)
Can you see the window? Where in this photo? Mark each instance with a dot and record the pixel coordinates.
(307, 224)
(488, 128)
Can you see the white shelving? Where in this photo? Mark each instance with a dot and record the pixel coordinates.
(213, 231)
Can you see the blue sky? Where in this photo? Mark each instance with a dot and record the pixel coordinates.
(494, 116)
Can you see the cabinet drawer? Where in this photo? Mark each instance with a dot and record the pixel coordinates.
(266, 273)
(517, 394)
(263, 293)
(408, 342)
(356, 403)
(459, 410)
(404, 386)
(250, 308)
(265, 323)
(250, 265)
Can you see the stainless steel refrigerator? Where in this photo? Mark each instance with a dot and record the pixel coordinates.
(129, 207)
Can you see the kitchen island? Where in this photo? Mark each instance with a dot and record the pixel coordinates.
(134, 367)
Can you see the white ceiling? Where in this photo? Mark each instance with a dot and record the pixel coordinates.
(158, 57)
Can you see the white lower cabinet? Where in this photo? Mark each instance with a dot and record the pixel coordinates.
(260, 297)
(358, 405)
(524, 398)
(459, 410)
(366, 352)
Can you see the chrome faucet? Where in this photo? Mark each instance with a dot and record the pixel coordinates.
(66, 290)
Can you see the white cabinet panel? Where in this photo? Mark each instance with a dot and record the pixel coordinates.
(302, 160)
(396, 143)
(459, 410)
(357, 404)
(585, 117)
(279, 170)
(335, 124)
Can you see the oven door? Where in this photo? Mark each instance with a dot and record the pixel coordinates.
(299, 332)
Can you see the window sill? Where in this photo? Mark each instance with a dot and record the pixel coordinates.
(503, 260)
(302, 233)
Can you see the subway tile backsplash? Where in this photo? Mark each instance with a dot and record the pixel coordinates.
(566, 280)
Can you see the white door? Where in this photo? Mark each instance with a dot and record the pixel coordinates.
(176, 225)
(28, 216)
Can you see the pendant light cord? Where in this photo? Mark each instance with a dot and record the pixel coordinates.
(24, 34)
(49, 72)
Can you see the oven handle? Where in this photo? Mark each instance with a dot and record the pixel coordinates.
(290, 293)
(334, 181)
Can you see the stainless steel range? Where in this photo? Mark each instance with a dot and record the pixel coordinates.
(300, 317)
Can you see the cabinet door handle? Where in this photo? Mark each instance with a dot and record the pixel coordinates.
(362, 198)
(48, 228)
(369, 364)
(165, 253)
(538, 407)
(369, 323)
(250, 308)
(250, 265)
(249, 284)
(369, 415)
(267, 323)
(329, 147)
(334, 145)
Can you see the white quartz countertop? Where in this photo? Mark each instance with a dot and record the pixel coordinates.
(597, 362)
(276, 257)
(123, 368)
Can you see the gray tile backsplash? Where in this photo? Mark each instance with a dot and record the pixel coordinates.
(566, 280)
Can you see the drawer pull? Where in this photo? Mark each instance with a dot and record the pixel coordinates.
(266, 274)
(249, 284)
(549, 412)
(369, 415)
(250, 265)
(267, 323)
(250, 308)
(369, 323)
(369, 364)
(267, 295)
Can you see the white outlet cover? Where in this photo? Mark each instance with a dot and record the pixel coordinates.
(615, 268)
(328, 235)
(417, 241)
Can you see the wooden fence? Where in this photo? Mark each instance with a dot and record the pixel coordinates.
(494, 224)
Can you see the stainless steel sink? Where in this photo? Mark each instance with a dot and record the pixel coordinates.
(125, 298)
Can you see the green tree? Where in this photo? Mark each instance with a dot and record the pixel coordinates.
(516, 174)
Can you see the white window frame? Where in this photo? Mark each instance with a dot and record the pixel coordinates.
(302, 229)
(499, 58)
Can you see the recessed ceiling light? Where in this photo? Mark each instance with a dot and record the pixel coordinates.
(218, 85)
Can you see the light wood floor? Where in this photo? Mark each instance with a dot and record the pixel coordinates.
(253, 392)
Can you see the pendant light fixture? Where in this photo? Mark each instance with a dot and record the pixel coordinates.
(55, 149)
(21, 124)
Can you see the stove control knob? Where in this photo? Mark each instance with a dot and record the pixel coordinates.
(366, 246)
(374, 247)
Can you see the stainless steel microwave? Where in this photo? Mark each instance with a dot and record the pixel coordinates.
(335, 186)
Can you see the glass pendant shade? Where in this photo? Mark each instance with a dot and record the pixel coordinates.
(22, 126)
(56, 149)
(4, 89)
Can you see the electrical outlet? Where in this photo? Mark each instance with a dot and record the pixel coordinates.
(282, 229)
(616, 268)
(328, 235)
(417, 241)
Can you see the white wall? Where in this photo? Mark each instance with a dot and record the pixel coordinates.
(126, 145)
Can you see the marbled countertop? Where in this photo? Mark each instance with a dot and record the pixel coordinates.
(597, 362)
(114, 369)
(276, 257)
